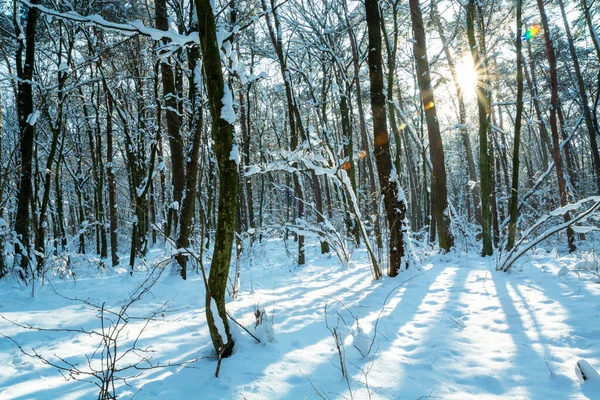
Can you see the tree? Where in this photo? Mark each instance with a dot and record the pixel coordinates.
(556, 151)
(587, 112)
(393, 197)
(439, 195)
(27, 120)
(174, 123)
(295, 122)
(192, 163)
(514, 192)
(222, 133)
(478, 53)
(462, 112)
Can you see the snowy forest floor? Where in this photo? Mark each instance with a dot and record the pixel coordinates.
(456, 329)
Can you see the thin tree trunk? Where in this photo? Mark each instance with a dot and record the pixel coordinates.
(514, 191)
(112, 187)
(351, 220)
(245, 127)
(191, 172)
(462, 114)
(363, 132)
(556, 155)
(174, 123)
(295, 124)
(478, 54)
(587, 113)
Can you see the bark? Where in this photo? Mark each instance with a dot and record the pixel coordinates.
(222, 132)
(95, 144)
(352, 223)
(191, 171)
(112, 187)
(3, 267)
(174, 123)
(587, 112)
(462, 114)
(478, 54)
(56, 128)
(439, 203)
(543, 131)
(393, 198)
(245, 127)
(363, 131)
(27, 135)
(514, 191)
(556, 154)
(60, 236)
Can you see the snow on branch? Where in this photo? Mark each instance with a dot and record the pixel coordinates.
(506, 263)
(132, 28)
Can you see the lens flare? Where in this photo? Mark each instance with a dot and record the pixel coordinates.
(530, 32)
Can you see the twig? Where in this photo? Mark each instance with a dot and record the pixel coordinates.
(429, 396)
(243, 327)
(456, 322)
(385, 302)
(548, 365)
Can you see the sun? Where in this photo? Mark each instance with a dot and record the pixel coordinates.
(467, 76)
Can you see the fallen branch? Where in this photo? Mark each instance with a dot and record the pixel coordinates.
(243, 327)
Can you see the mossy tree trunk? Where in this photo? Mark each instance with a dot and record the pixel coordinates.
(222, 132)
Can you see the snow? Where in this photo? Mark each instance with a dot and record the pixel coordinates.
(361, 342)
(33, 117)
(587, 372)
(227, 112)
(574, 206)
(563, 271)
(584, 229)
(127, 28)
(456, 329)
(218, 322)
(63, 67)
(234, 155)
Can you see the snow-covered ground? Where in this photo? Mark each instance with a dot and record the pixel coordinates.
(456, 329)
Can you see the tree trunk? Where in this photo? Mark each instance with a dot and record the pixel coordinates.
(514, 192)
(222, 132)
(191, 172)
(478, 54)
(462, 116)
(112, 187)
(174, 123)
(553, 122)
(363, 132)
(352, 223)
(27, 135)
(439, 188)
(587, 113)
(393, 197)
